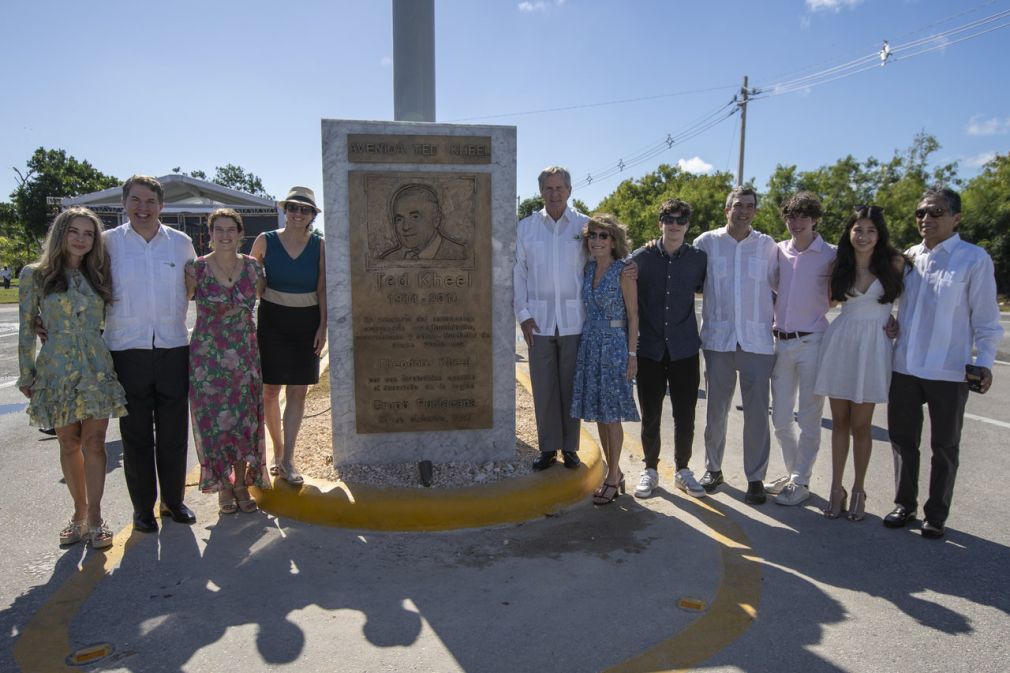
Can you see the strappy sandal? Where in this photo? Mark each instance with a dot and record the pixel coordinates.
(857, 510)
(100, 536)
(276, 470)
(837, 503)
(606, 494)
(246, 504)
(292, 476)
(74, 532)
(226, 501)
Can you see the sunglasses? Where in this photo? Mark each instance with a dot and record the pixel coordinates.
(674, 219)
(294, 208)
(593, 235)
(870, 210)
(932, 211)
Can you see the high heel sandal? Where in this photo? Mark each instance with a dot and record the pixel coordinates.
(858, 509)
(837, 504)
(607, 493)
(246, 504)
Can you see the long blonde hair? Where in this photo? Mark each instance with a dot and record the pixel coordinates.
(51, 267)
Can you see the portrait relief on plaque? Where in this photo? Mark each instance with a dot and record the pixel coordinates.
(413, 220)
(421, 300)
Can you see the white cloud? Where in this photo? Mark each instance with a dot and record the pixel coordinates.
(538, 6)
(831, 5)
(988, 127)
(979, 160)
(695, 165)
(385, 61)
(530, 6)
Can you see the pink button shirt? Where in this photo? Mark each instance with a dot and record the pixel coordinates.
(804, 278)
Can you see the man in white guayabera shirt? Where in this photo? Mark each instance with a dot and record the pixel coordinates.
(548, 307)
(736, 337)
(949, 306)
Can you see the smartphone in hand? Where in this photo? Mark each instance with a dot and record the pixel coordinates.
(973, 375)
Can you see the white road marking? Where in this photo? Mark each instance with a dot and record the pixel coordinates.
(991, 421)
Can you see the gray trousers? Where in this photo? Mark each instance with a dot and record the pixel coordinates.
(552, 373)
(720, 382)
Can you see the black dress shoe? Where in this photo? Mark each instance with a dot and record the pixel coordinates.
(710, 481)
(898, 517)
(144, 522)
(545, 460)
(571, 459)
(755, 493)
(932, 530)
(179, 513)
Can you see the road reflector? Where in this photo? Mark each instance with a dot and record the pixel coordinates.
(89, 654)
(692, 604)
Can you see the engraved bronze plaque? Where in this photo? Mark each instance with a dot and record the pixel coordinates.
(397, 149)
(421, 300)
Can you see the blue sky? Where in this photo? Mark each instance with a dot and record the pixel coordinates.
(201, 84)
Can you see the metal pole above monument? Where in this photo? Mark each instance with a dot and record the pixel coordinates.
(414, 60)
(743, 130)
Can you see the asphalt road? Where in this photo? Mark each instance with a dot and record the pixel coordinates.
(592, 589)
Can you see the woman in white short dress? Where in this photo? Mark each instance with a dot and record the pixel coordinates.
(855, 359)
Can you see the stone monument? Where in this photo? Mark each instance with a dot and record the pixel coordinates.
(420, 242)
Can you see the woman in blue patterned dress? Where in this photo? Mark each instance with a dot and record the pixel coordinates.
(72, 383)
(607, 362)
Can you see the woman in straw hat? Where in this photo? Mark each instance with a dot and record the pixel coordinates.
(291, 323)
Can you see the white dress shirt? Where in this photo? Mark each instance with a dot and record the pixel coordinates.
(547, 276)
(149, 303)
(738, 306)
(948, 304)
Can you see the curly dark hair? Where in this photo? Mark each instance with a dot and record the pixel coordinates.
(843, 276)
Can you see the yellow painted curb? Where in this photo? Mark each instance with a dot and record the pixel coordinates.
(415, 509)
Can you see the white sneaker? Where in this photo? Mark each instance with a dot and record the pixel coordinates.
(647, 483)
(792, 494)
(686, 482)
(775, 487)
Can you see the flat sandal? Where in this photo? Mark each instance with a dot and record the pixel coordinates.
(100, 536)
(74, 532)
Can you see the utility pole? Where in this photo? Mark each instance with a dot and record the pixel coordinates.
(414, 60)
(743, 130)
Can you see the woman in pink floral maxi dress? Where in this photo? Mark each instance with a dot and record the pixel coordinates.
(225, 382)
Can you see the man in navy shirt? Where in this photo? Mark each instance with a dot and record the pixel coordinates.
(670, 272)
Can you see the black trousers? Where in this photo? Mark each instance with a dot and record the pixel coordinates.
(156, 430)
(946, 401)
(683, 378)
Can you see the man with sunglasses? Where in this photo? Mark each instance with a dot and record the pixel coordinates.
(736, 337)
(948, 308)
(804, 262)
(670, 272)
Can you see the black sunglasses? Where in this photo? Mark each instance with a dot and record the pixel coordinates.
(674, 219)
(295, 208)
(593, 235)
(932, 211)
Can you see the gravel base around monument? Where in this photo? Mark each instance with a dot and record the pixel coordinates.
(314, 453)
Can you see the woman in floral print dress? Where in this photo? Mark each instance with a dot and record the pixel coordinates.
(72, 383)
(225, 382)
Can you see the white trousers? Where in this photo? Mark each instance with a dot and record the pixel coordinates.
(793, 380)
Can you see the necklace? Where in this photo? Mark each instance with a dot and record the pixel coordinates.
(228, 274)
(75, 278)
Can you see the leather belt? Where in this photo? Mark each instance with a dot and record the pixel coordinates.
(790, 335)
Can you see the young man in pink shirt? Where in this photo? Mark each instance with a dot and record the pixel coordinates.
(805, 261)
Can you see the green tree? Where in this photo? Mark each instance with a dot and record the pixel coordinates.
(52, 173)
(636, 202)
(529, 206)
(986, 215)
(17, 248)
(232, 177)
